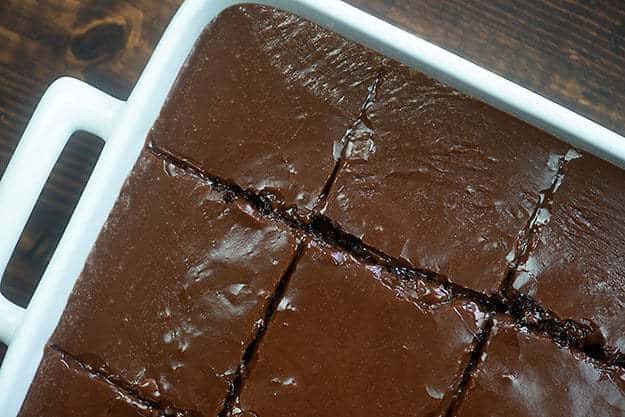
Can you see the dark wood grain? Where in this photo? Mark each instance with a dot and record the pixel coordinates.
(104, 42)
(50, 216)
(572, 51)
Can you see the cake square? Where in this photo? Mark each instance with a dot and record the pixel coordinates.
(65, 389)
(172, 291)
(524, 375)
(264, 100)
(577, 267)
(441, 179)
(350, 339)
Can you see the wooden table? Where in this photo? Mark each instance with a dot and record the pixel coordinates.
(570, 51)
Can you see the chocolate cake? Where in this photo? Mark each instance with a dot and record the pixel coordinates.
(577, 265)
(74, 390)
(364, 342)
(274, 96)
(174, 289)
(446, 182)
(313, 229)
(526, 375)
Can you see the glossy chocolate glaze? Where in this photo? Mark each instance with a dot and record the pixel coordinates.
(169, 314)
(577, 268)
(172, 291)
(64, 389)
(263, 103)
(350, 340)
(442, 180)
(524, 375)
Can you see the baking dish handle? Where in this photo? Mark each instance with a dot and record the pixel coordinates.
(67, 106)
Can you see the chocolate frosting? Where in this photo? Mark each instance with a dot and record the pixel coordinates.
(262, 102)
(198, 299)
(64, 389)
(526, 376)
(442, 180)
(172, 291)
(577, 268)
(351, 340)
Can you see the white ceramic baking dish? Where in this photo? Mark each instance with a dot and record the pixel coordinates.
(70, 105)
